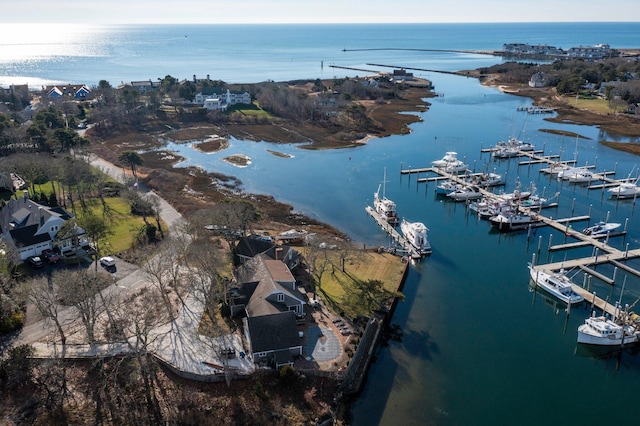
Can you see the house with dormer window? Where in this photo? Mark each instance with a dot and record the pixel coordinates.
(270, 302)
(29, 228)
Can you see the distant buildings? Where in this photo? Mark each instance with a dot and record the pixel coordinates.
(598, 51)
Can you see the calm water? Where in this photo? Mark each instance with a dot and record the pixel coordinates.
(478, 346)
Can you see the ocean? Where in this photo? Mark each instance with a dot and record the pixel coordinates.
(478, 345)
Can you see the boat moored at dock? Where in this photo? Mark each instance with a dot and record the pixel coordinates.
(625, 190)
(512, 221)
(384, 206)
(416, 235)
(600, 228)
(606, 332)
(556, 283)
(450, 163)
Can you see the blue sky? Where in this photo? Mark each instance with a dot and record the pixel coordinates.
(320, 11)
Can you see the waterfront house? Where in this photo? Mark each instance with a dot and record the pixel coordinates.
(29, 228)
(273, 339)
(538, 79)
(268, 298)
(217, 98)
(253, 245)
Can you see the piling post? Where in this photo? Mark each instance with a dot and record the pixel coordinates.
(595, 260)
(615, 168)
(626, 251)
(533, 259)
(595, 162)
(607, 219)
(615, 272)
(584, 281)
(589, 283)
(590, 206)
(550, 239)
(593, 301)
(539, 243)
(573, 206)
(626, 222)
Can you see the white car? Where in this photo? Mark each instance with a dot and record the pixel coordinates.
(107, 261)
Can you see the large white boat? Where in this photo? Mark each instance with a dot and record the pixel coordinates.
(535, 200)
(384, 206)
(514, 142)
(450, 163)
(489, 207)
(465, 193)
(485, 180)
(512, 220)
(582, 176)
(606, 332)
(516, 195)
(416, 235)
(447, 187)
(556, 283)
(600, 228)
(626, 190)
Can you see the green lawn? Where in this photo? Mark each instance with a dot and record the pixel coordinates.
(123, 225)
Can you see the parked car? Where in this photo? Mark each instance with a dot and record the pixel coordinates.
(35, 261)
(107, 261)
(50, 256)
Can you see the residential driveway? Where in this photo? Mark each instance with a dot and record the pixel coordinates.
(321, 344)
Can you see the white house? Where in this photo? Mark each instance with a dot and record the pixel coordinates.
(29, 228)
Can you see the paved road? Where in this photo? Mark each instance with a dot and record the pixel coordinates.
(177, 342)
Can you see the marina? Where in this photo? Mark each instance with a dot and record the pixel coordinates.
(527, 218)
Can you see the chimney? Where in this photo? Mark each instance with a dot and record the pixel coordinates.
(208, 78)
(194, 79)
(41, 216)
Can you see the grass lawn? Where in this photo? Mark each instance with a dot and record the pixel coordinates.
(350, 291)
(600, 106)
(123, 225)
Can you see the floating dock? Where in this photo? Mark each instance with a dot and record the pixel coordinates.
(400, 240)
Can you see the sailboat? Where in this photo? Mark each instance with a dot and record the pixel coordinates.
(384, 206)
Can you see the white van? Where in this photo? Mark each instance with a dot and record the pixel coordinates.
(107, 261)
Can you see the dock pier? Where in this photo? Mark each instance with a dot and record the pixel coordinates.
(405, 246)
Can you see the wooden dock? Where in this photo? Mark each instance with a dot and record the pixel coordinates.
(405, 246)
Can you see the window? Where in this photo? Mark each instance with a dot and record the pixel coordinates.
(280, 297)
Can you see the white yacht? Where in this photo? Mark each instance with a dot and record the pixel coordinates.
(626, 190)
(600, 228)
(489, 207)
(582, 176)
(447, 187)
(416, 235)
(516, 143)
(556, 283)
(485, 180)
(606, 332)
(512, 220)
(450, 163)
(384, 206)
(465, 193)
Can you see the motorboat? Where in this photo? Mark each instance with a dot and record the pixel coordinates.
(512, 220)
(626, 190)
(447, 187)
(604, 331)
(505, 152)
(485, 180)
(450, 163)
(556, 283)
(384, 206)
(555, 168)
(516, 143)
(536, 201)
(600, 228)
(466, 193)
(582, 176)
(516, 195)
(489, 207)
(569, 172)
(416, 235)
